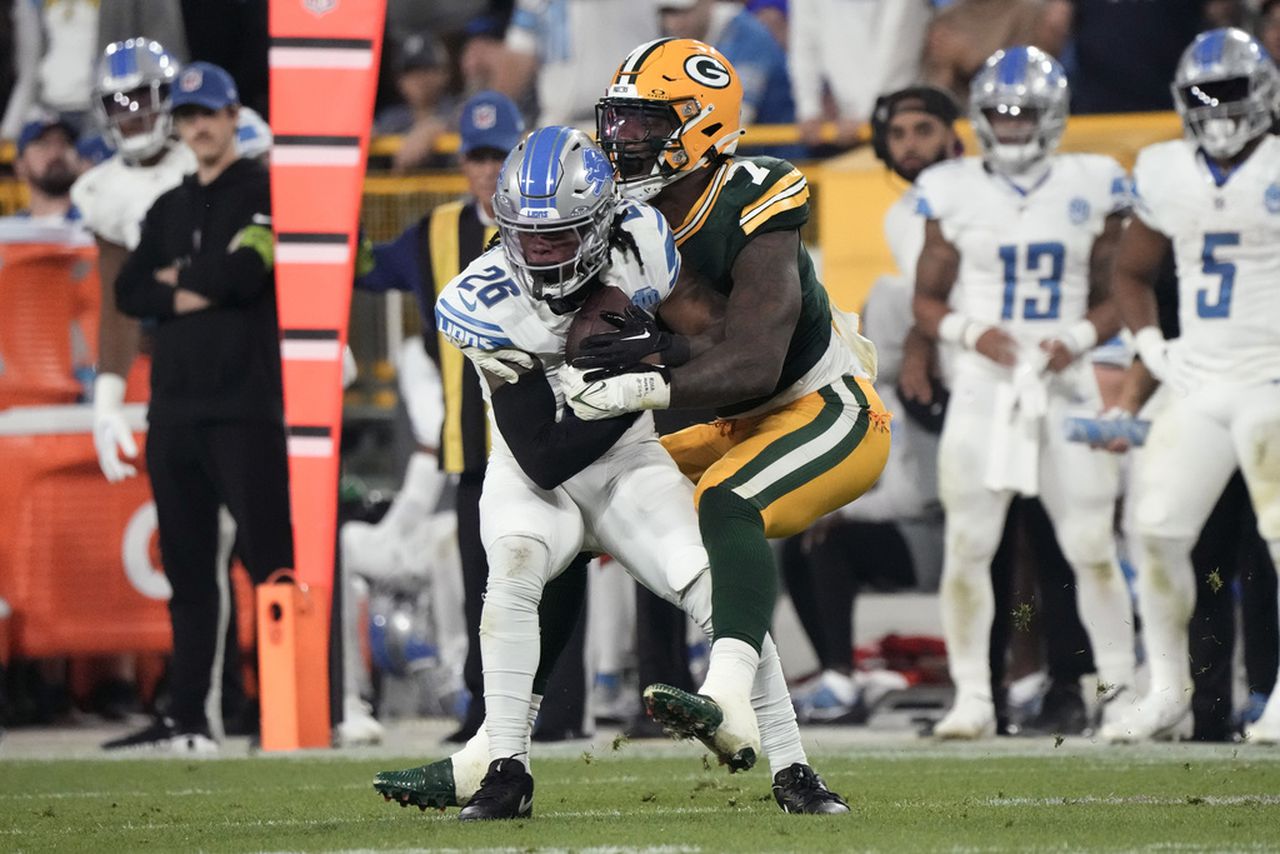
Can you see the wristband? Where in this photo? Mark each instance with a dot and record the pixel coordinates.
(1080, 337)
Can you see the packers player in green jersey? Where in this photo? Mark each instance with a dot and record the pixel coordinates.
(749, 331)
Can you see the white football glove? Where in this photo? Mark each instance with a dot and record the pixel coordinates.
(615, 392)
(111, 433)
(499, 362)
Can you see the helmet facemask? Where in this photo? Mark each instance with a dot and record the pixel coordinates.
(552, 260)
(1225, 115)
(644, 141)
(1012, 137)
(137, 121)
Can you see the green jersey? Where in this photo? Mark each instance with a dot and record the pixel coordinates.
(747, 197)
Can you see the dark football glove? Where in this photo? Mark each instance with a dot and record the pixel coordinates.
(637, 336)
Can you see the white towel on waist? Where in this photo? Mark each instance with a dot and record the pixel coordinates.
(1020, 406)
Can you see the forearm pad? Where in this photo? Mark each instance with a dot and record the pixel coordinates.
(549, 451)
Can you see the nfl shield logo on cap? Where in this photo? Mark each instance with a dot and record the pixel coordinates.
(319, 7)
(190, 80)
(484, 116)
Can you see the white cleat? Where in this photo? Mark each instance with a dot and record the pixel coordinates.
(1159, 716)
(1266, 729)
(1114, 705)
(972, 716)
(359, 727)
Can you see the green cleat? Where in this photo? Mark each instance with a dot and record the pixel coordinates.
(685, 715)
(425, 786)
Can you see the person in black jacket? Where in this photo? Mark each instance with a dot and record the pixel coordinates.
(203, 275)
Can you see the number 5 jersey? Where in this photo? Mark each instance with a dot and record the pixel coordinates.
(1225, 228)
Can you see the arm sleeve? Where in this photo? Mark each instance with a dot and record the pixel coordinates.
(138, 294)
(395, 265)
(549, 451)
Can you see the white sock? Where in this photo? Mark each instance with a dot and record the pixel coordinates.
(968, 607)
(535, 705)
(1166, 598)
(776, 716)
(731, 669)
(1103, 600)
(509, 641)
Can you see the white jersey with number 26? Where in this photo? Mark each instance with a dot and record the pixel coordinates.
(1226, 240)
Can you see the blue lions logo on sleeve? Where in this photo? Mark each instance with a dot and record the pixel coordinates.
(1271, 198)
(598, 170)
(646, 298)
(1078, 211)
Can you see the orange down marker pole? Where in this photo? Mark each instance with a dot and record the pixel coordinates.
(324, 61)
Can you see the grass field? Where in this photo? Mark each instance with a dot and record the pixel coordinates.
(906, 797)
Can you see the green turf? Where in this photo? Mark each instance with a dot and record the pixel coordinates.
(973, 798)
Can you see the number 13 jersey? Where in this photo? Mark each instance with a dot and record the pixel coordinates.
(1024, 253)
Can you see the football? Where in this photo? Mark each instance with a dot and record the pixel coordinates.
(588, 321)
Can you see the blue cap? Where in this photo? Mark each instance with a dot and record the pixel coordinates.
(204, 85)
(37, 128)
(490, 120)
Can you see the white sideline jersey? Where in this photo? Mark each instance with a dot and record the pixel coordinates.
(114, 196)
(904, 233)
(1024, 256)
(484, 307)
(1226, 242)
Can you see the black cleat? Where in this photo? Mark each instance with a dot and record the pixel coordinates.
(798, 789)
(164, 735)
(1062, 712)
(505, 792)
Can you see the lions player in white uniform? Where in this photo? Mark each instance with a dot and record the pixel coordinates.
(1214, 198)
(555, 485)
(1025, 237)
(131, 100)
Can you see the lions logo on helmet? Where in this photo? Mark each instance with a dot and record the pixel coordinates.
(1018, 105)
(1225, 89)
(675, 105)
(555, 205)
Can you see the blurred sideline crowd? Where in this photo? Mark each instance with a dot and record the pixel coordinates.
(488, 71)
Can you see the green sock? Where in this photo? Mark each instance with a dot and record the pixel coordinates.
(562, 601)
(744, 579)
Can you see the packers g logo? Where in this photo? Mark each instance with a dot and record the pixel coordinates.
(707, 70)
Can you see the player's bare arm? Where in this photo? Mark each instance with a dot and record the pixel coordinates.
(760, 317)
(118, 334)
(935, 274)
(919, 366)
(1103, 316)
(1139, 253)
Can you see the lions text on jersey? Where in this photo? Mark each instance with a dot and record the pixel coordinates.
(1225, 230)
